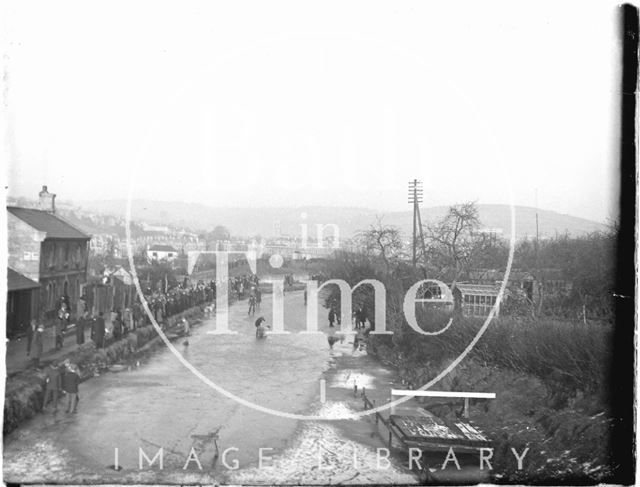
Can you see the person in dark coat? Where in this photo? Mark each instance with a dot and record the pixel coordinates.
(332, 317)
(360, 317)
(98, 331)
(53, 381)
(117, 327)
(252, 305)
(82, 324)
(70, 381)
(57, 333)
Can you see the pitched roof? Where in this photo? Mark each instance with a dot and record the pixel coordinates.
(52, 225)
(17, 282)
(477, 289)
(162, 248)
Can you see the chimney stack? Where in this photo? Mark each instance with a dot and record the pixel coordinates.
(47, 200)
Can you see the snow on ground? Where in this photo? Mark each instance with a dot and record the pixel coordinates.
(321, 455)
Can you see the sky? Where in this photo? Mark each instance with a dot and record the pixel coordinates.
(334, 103)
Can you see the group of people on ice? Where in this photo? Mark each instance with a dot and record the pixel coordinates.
(359, 317)
(359, 320)
(62, 379)
(240, 285)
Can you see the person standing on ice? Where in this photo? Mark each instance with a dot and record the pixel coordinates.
(70, 381)
(332, 317)
(53, 381)
(252, 305)
(258, 296)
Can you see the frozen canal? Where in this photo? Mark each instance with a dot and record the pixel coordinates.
(161, 404)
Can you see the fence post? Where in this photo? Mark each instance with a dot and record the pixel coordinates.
(465, 411)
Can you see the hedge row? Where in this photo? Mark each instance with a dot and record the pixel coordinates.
(569, 358)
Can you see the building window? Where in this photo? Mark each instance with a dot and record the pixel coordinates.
(52, 255)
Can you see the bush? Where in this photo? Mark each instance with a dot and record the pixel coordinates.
(567, 357)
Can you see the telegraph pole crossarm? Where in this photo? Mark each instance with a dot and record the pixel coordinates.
(415, 198)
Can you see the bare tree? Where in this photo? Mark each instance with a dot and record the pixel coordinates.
(450, 241)
(383, 241)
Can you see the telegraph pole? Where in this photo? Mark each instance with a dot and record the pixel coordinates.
(537, 276)
(415, 198)
(537, 230)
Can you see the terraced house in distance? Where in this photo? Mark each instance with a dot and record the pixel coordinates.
(161, 252)
(47, 250)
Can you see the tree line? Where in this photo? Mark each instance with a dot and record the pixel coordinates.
(453, 248)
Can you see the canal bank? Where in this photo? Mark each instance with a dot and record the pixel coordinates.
(158, 404)
(162, 405)
(24, 390)
(565, 441)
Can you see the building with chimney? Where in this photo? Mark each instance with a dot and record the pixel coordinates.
(45, 249)
(47, 201)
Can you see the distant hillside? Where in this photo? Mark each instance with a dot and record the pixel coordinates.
(263, 221)
(499, 217)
